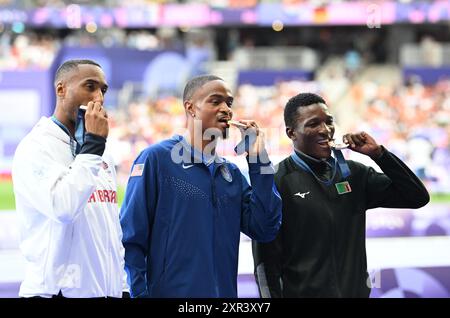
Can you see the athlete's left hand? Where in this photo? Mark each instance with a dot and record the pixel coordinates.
(251, 127)
(363, 143)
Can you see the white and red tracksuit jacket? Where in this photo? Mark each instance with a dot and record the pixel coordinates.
(69, 218)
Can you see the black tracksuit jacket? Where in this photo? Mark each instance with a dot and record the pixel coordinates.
(320, 249)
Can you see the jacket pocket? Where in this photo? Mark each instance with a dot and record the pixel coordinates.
(158, 255)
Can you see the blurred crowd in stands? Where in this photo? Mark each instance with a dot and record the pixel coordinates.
(27, 51)
(410, 119)
(22, 48)
(31, 50)
(219, 3)
(413, 121)
(36, 51)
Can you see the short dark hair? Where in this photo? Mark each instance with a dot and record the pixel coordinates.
(300, 100)
(197, 82)
(71, 65)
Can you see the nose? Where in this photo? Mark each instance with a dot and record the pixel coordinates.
(226, 109)
(99, 97)
(326, 129)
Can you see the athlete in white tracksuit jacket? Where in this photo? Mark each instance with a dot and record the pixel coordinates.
(67, 202)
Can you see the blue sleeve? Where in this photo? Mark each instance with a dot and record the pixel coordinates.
(136, 219)
(261, 203)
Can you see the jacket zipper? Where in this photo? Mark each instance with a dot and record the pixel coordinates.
(108, 246)
(333, 251)
(215, 215)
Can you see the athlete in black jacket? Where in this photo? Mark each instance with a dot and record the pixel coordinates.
(320, 249)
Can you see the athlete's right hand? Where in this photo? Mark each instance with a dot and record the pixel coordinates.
(96, 119)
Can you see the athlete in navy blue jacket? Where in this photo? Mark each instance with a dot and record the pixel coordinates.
(185, 206)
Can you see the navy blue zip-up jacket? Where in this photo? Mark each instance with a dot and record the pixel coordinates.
(181, 221)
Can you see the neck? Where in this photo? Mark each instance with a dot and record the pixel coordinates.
(63, 119)
(311, 157)
(320, 168)
(195, 138)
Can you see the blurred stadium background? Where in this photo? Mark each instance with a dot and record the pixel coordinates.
(383, 67)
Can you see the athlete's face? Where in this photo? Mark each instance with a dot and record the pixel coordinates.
(211, 104)
(79, 87)
(314, 129)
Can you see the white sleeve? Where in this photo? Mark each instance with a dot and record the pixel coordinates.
(125, 287)
(59, 192)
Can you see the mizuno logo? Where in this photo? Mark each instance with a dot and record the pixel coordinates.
(185, 166)
(301, 195)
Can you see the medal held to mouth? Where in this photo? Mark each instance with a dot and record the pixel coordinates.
(336, 146)
(236, 124)
(247, 141)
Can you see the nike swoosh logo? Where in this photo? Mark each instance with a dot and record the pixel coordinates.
(301, 195)
(187, 166)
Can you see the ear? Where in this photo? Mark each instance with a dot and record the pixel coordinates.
(189, 108)
(291, 133)
(60, 89)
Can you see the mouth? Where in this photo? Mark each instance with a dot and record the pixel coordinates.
(324, 143)
(224, 121)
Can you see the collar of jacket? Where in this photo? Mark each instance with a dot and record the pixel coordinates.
(51, 128)
(317, 165)
(197, 156)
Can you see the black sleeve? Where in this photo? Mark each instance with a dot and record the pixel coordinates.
(397, 187)
(93, 144)
(267, 260)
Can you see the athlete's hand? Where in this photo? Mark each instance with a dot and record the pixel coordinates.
(363, 143)
(96, 119)
(252, 128)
